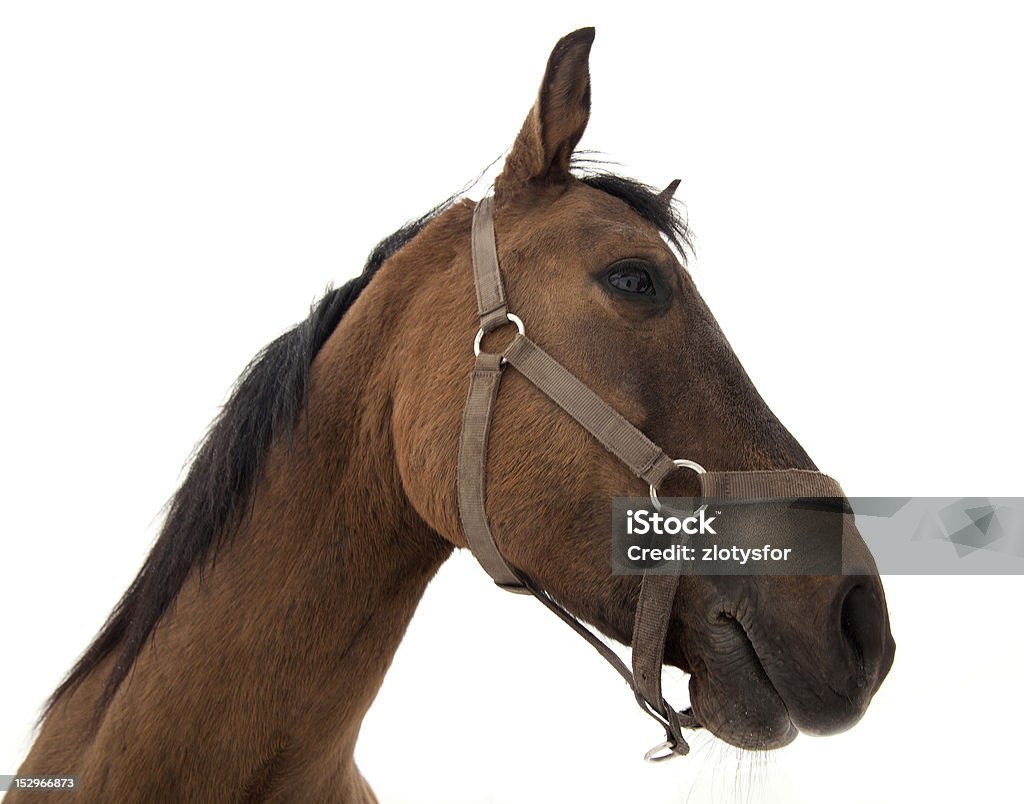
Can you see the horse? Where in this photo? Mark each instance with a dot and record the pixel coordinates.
(241, 660)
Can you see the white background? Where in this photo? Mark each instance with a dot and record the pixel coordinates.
(178, 181)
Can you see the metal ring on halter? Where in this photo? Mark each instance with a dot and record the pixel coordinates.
(661, 752)
(513, 319)
(696, 467)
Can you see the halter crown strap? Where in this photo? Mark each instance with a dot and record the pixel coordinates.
(490, 295)
(641, 455)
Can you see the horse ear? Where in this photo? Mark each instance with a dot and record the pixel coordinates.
(665, 196)
(556, 122)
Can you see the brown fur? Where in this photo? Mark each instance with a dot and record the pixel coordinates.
(255, 683)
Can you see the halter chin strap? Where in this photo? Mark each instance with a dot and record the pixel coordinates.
(643, 457)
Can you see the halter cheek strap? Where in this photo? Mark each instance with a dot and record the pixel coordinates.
(641, 455)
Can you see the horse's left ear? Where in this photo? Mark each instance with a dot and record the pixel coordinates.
(555, 124)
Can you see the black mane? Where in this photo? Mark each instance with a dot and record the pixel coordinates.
(264, 405)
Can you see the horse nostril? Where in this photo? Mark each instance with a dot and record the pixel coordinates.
(862, 623)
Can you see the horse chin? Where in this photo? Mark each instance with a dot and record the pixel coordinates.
(733, 697)
(748, 720)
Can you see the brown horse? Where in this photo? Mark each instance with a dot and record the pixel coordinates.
(241, 661)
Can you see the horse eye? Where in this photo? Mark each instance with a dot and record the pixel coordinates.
(631, 277)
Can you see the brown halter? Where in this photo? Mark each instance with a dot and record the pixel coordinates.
(643, 457)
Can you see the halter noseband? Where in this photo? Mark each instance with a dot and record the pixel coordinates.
(643, 457)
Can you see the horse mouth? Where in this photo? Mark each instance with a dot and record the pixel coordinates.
(733, 696)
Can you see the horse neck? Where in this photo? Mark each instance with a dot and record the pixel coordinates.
(270, 658)
(333, 560)
(339, 558)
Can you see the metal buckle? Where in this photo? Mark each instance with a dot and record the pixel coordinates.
(512, 319)
(696, 467)
(661, 752)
